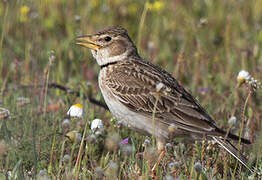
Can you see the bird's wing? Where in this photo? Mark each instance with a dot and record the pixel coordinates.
(145, 88)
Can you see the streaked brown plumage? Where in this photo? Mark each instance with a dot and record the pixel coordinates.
(134, 90)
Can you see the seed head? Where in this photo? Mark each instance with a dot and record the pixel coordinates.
(66, 124)
(198, 166)
(112, 142)
(91, 139)
(126, 149)
(66, 158)
(111, 171)
(99, 173)
(151, 154)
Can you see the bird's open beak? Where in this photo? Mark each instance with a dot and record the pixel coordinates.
(86, 41)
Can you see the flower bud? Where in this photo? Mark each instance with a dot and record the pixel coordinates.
(74, 136)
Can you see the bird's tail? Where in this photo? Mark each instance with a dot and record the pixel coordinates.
(232, 136)
(233, 151)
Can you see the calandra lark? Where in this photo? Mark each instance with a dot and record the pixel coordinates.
(148, 99)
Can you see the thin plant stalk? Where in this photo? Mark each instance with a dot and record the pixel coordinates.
(242, 125)
(61, 160)
(46, 84)
(154, 121)
(2, 36)
(141, 24)
(77, 165)
(243, 117)
(52, 151)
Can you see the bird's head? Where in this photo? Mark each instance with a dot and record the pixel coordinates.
(109, 45)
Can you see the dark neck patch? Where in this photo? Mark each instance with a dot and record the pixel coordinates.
(110, 63)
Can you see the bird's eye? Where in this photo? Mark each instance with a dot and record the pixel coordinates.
(107, 38)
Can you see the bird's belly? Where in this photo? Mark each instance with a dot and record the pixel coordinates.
(133, 120)
(126, 117)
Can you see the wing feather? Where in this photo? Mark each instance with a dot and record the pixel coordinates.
(135, 85)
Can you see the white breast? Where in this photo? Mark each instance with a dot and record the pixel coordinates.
(133, 120)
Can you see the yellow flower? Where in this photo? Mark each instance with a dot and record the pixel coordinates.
(132, 8)
(24, 10)
(216, 59)
(156, 6)
(1, 9)
(94, 3)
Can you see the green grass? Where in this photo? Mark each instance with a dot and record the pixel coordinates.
(204, 44)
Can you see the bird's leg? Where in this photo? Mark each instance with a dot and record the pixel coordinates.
(162, 152)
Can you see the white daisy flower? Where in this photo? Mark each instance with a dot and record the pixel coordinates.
(243, 76)
(77, 110)
(97, 126)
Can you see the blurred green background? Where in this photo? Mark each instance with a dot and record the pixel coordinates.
(203, 43)
(217, 38)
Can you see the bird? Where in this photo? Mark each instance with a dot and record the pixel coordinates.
(148, 99)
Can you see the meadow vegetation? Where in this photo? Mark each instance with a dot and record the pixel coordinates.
(203, 43)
